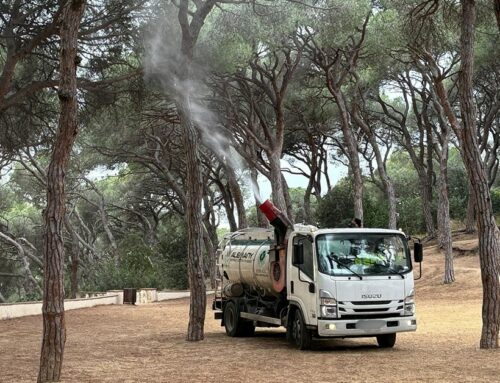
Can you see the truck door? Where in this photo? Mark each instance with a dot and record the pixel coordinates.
(301, 285)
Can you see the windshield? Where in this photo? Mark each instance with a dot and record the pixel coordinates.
(349, 254)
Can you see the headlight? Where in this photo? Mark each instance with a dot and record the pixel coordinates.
(409, 304)
(328, 305)
(328, 311)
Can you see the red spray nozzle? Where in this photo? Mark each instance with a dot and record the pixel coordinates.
(269, 210)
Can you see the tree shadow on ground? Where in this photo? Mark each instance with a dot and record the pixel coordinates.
(278, 339)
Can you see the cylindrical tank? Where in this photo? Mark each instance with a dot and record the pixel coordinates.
(248, 262)
(256, 258)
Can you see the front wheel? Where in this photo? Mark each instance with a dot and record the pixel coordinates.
(299, 334)
(386, 340)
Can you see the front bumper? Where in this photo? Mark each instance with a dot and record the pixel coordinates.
(365, 327)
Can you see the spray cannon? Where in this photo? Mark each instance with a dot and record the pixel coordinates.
(277, 219)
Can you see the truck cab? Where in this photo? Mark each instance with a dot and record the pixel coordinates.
(349, 283)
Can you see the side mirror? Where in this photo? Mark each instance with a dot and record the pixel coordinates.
(298, 254)
(418, 253)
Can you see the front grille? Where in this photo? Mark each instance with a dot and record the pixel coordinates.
(369, 310)
(369, 316)
(370, 302)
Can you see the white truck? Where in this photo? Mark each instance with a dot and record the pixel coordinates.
(317, 283)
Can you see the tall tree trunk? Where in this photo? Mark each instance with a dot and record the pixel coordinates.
(54, 329)
(444, 226)
(75, 260)
(210, 238)
(237, 196)
(425, 188)
(489, 235)
(276, 181)
(470, 219)
(228, 206)
(194, 193)
(211, 256)
(443, 214)
(107, 230)
(191, 24)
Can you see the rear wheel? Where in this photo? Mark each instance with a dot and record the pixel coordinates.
(386, 340)
(298, 334)
(234, 324)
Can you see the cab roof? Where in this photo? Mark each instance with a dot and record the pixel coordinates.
(349, 230)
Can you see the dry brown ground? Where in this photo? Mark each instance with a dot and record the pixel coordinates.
(146, 344)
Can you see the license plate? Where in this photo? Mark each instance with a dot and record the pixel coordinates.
(370, 324)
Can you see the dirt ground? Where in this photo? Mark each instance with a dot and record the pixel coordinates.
(146, 344)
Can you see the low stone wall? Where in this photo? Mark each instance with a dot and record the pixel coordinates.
(146, 296)
(16, 310)
(165, 295)
(112, 297)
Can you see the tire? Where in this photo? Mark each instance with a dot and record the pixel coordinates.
(236, 326)
(386, 340)
(247, 328)
(298, 333)
(289, 330)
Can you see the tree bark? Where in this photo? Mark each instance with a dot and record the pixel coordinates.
(443, 214)
(276, 181)
(237, 196)
(75, 260)
(444, 226)
(489, 235)
(470, 219)
(54, 329)
(228, 206)
(211, 256)
(425, 186)
(194, 193)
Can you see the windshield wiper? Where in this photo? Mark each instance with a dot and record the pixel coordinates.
(341, 263)
(389, 268)
(394, 271)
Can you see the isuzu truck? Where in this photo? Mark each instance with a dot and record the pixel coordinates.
(317, 283)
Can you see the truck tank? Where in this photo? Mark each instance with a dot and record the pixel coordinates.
(255, 258)
(246, 262)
